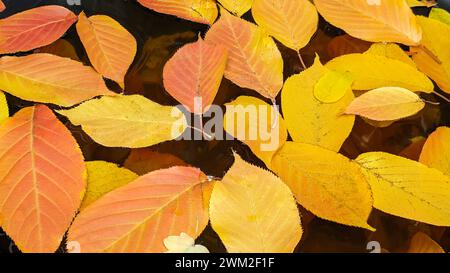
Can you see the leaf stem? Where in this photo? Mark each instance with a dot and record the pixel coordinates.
(301, 60)
(275, 112)
(441, 96)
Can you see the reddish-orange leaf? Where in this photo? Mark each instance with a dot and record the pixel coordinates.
(140, 215)
(193, 74)
(2, 6)
(346, 44)
(42, 179)
(144, 160)
(34, 28)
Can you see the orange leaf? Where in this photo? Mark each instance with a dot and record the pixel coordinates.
(195, 71)
(140, 215)
(201, 11)
(144, 160)
(110, 47)
(254, 60)
(42, 179)
(346, 44)
(422, 243)
(436, 150)
(34, 28)
(50, 79)
(2, 6)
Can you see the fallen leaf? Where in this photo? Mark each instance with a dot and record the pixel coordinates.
(436, 150)
(420, 3)
(391, 51)
(333, 86)
(61, 48)
(144, 160)
(2, 6)
(4, 110)
(422, 243)
(183, 244)
(237, 8)
(440, 15)
(346, 44)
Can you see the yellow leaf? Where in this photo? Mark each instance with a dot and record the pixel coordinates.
(391, 51)
(292, 22)
(324, 182)
(104, 177)
(386, 104)
(4, 110)
(254, 60)
(127, 121)
(371, 71)
(308, 119)
(440, 15)
(252, 121)
(253, 211)
(419, 3)
(436, 151)
(374, 21)
(406, 188)
(109, 46)
(333, 86)
(422, 243)
(237, 8)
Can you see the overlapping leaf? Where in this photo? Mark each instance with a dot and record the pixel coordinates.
(4, 110)
(422, 243)
(391, 51)
(436, 150)
(144, 160)
(238, 7)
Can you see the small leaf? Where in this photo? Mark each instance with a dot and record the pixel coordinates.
(4, 110)
(50, 79)
(333, 86)
(386, 104)
(326, 183)
(440, 15)
(422, 243)
(34, 28)
(109, 46)
(253, 211)
(127, 121)
(406, 188)
(104, 177)
(386, 21)
(436, 150)
(195, 72)
(237, 8)
(140, 215)
(293, 23)
(144, 160)
(42, 179)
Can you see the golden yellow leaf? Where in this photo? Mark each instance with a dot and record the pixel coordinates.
(237, 7)
(253, 122)
(308, 119)
(436, 151)
(386, 104)
(127, 121)
(333, 86)
(440, 15)
(374, 21)
(422, 243)
(4, 110)
(391, 51)
(324, 182)
(407, 188)
(252, 210)
(420, 3)
(104, 177)
(109, 46)
(292, 22)
(371, 71)
(254, 60)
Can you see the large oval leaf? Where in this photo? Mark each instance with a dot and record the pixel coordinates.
(42, 179)
(140, 215)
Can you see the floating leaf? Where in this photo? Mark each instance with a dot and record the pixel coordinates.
(254, 60)
(50, 79)
(406, 188)
(253, 122)
(386, 104)
(110, 47)
(195, 72)
(253, 211)
(371, 71)
(310, 120)
(293, 23)
(34, 28)
(324, 182)
(143, 161)
(422, 243)
(436, 151)
(127, 121)
(140, 215)
(201, 11)
(391, 51)
(104, 177)
(237, 8)
(42, 179)
(333, 86)
(383, 21)
(4, 110)
(440, 15)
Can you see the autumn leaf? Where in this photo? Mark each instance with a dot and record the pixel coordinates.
(324, 182)
(420, 3)
(34, 28)
(237, 8)
(391, 51)
(436, 150)
(310, 120)
(110, 47)
(383, 21)
(386, 104)
(143, 161)
(371, 71)
(406, 188)
(50, 79)
(252, 210)
(42, 179)
(127, 121)
(183, 244)
(137, 217)
(440, 15)
(422, 243)
(253, 122)
(254, 60)
(61, 48)
(333, 86)
(201, 11)
(195, 73)
(104, 177)
(346, 44)
(4, 110)
(293, 23)
(2, 6)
